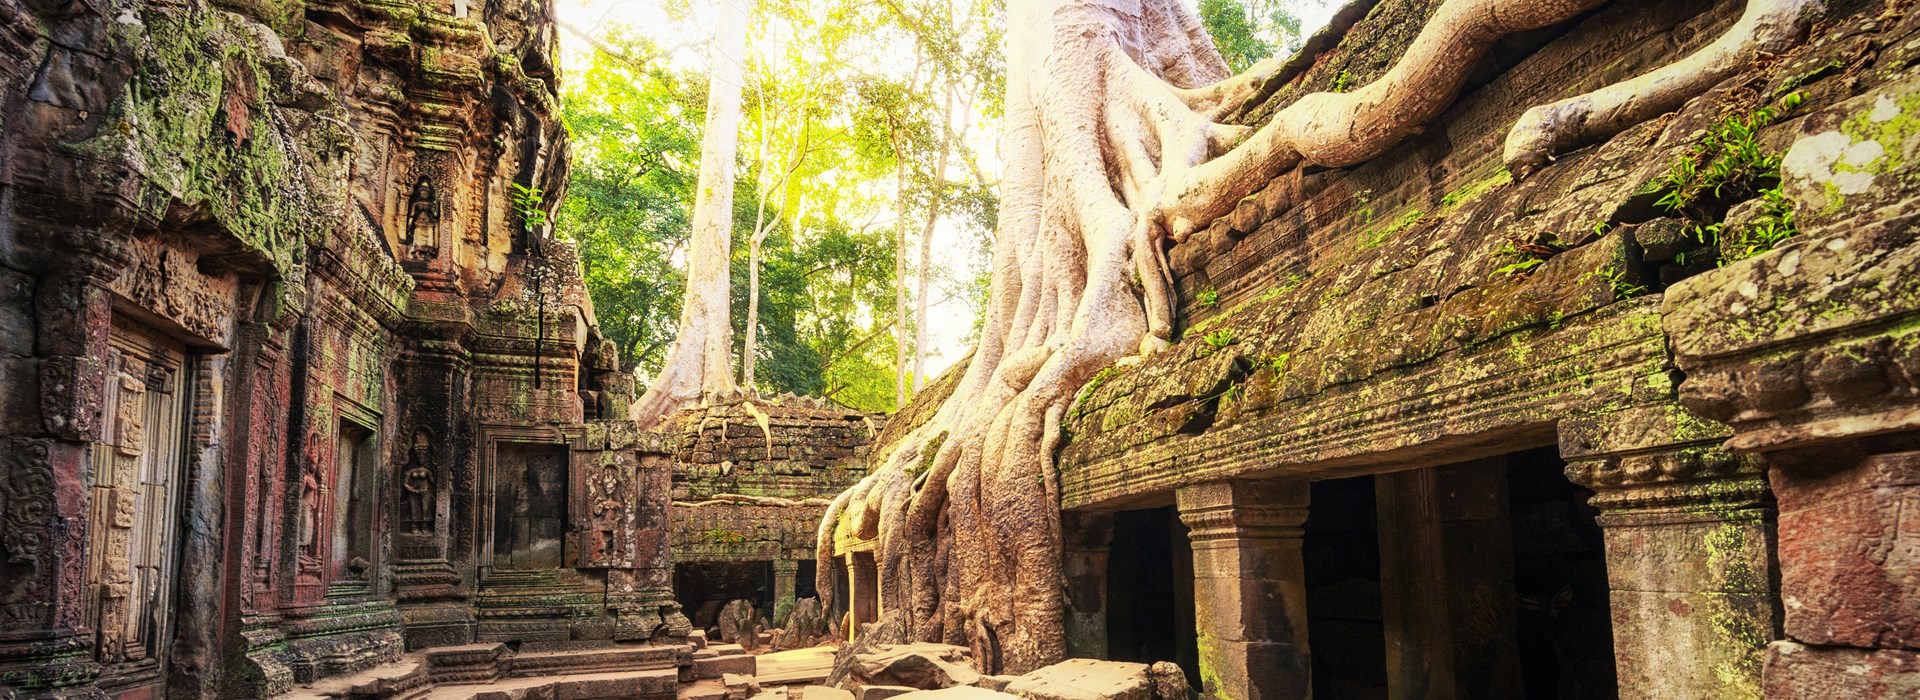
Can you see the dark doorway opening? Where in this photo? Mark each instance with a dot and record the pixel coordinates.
(530, 506)
(704, 587)
(1564, 626)
(806, 579)
(1150, 591)
(1341, 550)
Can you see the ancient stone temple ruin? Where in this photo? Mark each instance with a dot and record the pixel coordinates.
(299, 394)
(293, 383)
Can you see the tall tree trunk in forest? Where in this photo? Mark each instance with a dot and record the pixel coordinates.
(926, 249)
(899, 272)
(701, 362)
(897, 137)
(1110, 150)
(761, 227)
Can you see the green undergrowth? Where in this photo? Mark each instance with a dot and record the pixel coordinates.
(1730, 165)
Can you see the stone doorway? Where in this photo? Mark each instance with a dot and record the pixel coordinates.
(1341, 553)
(1492, 580)
(1564, 625)
(1149, 603)
(704, 587)
(133, 502)
(530, 506)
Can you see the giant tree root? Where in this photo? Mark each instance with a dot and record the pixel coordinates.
(1111, 148)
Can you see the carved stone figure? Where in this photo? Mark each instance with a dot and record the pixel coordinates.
(417, 481)
(610, 508)
(423, 219)
(310, 486)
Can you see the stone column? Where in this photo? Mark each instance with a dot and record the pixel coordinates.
(784, 571)
(1249, 588)
(863, 592)
(55, 337)
(1689, 532)
(1446, 582)
(1088, 536)
(432, 565)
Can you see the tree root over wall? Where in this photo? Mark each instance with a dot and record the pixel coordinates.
(1113, 149)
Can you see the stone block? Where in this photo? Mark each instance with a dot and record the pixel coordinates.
(821, 692)
(1849, 547)
(719, 665)
(704, 689)
(924, 666)
(1085, 679)
(960, 692)
(882, 692)
(1799, 671)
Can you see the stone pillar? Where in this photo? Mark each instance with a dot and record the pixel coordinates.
(1689, 532)
(52, 361)
(1446, 582)
(863, 592)
(1088, 536)
(784, 571)
(433, 479)
(1249, 588)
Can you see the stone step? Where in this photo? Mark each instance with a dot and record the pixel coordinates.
(620, 657)
(657, 684)
(470, 663)
(406, 679)
(810, 665)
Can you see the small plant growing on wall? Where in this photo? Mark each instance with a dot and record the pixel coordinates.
(527, 203)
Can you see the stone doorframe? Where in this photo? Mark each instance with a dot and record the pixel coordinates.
(491, 437)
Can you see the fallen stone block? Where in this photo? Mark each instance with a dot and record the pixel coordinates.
(1085, 679)
(822, 692)
(995, 682)
(883, 692)
(923, 666)
(740, 686)
(959, 692)
(705, 689)
(718, 665)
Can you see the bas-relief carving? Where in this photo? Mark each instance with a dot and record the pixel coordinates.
(609, 502)
(164, 280)
(422, 232)
(309, 505)
(417, 481)
(26, 504)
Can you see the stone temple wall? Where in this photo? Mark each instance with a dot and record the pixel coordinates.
(1744, 420)
(752, 479)
(287, 385)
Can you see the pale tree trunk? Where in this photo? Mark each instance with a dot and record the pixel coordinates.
(760, 229)
(1107, 155)
(926, 249)
(899, 275)
(898, 140)
(700, 364)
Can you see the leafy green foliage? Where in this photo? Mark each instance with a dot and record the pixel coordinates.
(1219, 338)
(528, 206)
(1730, 164)
(1523, 256)
(1246, 31)
(1208, 297)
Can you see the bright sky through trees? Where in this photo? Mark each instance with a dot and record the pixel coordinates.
(863, 52)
